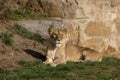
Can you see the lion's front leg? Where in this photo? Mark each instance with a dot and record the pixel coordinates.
(48, 60)
(50, 57)
(60, 60)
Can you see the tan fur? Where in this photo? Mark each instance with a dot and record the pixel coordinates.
(91, 55)
(112, 52)
(67, 50)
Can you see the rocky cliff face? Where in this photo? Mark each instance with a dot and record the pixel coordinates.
(98, 20)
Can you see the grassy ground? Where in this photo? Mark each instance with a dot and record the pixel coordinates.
(108, 69)
(16, 44)
(20, 14)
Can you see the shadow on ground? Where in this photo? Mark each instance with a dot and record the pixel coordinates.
(35, 54)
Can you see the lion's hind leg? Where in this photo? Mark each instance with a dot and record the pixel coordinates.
(82, 58)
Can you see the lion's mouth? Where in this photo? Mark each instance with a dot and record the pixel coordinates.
(58, 43)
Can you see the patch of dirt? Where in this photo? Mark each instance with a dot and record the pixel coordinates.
(18, 4)
(22, 49)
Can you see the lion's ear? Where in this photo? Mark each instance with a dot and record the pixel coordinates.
(50, 30)
(65, 30)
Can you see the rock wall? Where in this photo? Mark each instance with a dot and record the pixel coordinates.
(98, 21)
(100, 30)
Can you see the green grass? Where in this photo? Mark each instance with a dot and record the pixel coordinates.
(20, 14)
(7, 38)
(105, 70)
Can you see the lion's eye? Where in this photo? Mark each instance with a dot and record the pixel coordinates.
(54, 35)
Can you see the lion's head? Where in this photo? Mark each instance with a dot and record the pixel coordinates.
(58, 35)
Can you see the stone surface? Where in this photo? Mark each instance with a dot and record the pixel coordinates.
(37, 27)
(117, 22)
(97, 29)
(98, 21)
(95, 43)
(62, 8)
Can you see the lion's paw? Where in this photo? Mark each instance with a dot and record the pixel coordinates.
(53, 65)
(47, 61)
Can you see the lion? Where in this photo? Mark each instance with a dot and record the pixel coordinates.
(61, 42)
(66, 49)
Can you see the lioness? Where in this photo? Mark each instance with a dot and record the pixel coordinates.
(65, 50)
